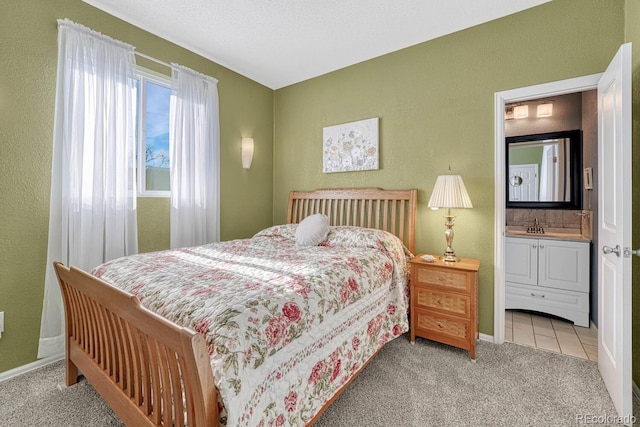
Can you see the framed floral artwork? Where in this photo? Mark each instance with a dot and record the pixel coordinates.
(350, 146)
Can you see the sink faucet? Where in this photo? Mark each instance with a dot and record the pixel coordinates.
(535, 228)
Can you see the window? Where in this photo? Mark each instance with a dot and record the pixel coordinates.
(152, 134)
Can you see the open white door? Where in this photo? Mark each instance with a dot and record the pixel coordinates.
(614, 230)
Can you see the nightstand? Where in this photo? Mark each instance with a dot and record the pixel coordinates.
(444, 302)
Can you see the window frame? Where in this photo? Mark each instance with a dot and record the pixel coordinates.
(143, 75)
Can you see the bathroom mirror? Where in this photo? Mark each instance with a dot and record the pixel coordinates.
(545, 170)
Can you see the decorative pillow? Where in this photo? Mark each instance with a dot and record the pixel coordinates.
(312, 230)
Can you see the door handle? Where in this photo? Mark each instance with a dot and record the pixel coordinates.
(609, 250)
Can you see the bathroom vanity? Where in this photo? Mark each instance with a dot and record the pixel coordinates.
(548, 273)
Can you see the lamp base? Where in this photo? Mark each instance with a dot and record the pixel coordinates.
(449, 258)
(449, 254)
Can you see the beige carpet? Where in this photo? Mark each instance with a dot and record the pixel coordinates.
(426, 384)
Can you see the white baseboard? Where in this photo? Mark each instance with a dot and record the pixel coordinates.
(29, 367)
(485, 337)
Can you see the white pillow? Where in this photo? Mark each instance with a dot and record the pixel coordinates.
(312, 230)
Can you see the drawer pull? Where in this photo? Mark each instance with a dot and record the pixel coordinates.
(534, 295)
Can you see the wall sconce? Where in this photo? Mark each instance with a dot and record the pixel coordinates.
(247, 152)
(545, 109)
(449, 192)
(520, 111)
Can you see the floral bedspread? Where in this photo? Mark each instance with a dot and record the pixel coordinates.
(286, 325)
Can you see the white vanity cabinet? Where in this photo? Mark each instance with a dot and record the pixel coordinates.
(549, 276)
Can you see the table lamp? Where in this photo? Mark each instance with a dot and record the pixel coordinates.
(449, 192)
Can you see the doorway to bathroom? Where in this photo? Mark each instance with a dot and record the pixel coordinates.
(567, 99)
(613, 244)
(550, 300)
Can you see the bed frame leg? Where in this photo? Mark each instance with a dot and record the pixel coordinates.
(71, 372)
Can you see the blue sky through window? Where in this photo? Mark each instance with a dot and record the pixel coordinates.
(157, 124)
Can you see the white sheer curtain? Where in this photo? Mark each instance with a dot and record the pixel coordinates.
(195, 159)
(93, 189)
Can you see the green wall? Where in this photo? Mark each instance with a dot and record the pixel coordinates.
(525, 156)
(435, 102)
(28, 53)
(632, 34)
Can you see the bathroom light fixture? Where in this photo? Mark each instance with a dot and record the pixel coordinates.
(508, 112)
(520, 111)
(247, 152)
(545, 109)
(449, 192)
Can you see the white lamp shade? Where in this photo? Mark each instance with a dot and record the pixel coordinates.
(247, 152)
(520, 111)
(449, 192)
(545, 110)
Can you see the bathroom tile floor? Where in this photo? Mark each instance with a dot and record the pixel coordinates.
(550, 334)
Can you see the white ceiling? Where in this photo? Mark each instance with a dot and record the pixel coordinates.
(282, 42)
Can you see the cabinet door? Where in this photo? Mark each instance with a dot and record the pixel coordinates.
(521, 260)
(564, 265)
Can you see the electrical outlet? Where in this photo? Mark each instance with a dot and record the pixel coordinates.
(1, 323)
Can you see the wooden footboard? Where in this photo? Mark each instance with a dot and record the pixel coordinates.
(149, 370)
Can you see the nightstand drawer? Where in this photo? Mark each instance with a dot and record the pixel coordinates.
(455, 304)
(452, 329)
(446, 279)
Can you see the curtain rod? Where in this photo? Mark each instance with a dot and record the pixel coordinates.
(151, 58)
(173, 67)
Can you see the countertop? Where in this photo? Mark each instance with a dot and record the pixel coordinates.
(551, 233)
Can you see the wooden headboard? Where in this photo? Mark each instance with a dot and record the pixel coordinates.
(390, 210)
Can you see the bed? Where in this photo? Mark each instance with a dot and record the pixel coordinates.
(260, 331)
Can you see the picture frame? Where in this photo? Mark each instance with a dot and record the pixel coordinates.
(351, 146)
